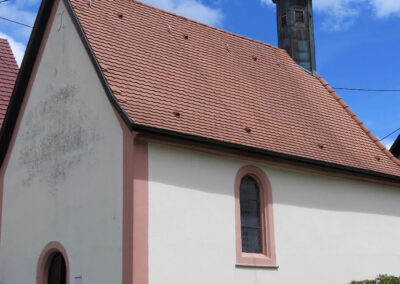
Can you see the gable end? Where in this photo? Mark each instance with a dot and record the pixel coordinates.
(27, 69)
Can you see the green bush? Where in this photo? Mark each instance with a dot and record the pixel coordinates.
(381, 279)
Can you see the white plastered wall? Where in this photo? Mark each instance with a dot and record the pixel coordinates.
(64, 178)
(327, 229)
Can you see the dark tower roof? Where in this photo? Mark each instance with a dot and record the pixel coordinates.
(296, 31)
(395, 149)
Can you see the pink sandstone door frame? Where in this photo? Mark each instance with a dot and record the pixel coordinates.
(44, 262)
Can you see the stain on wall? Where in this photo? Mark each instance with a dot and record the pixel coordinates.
(59, 133)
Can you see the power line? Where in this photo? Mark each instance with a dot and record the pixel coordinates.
(390, 134)
(15, 22)
(336, 88)
(367, 90)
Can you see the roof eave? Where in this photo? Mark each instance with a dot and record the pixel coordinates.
(267, 155)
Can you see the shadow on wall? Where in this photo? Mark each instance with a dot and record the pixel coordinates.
(192, 170)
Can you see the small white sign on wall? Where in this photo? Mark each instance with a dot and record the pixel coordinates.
(78, 280)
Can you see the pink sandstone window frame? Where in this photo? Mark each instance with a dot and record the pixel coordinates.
(268, 257)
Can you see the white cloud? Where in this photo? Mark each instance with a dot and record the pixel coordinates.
(24, 3)
(387, 143)
(384, 8)
(23, 11)
(340, 14)
(14, 11)
(193, 9)
(19, 11)
(17, 48)
(268, 2)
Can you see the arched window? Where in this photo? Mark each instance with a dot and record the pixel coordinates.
(254, 219)
(250, 217)
(53, 267)
(57, 270)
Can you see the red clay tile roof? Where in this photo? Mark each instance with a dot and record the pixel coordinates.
(8, 74)
(176, 74)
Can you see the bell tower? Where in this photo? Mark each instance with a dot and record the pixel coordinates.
(296, 31)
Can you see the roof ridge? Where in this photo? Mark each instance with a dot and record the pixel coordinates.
(208, 26)
(358, 121)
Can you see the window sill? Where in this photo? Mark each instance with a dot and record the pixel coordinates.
(255, 260)
(272, 267)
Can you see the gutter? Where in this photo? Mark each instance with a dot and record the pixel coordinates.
(272, 156)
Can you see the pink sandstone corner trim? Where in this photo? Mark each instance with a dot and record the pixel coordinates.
(358, 121)
(140, 213)
(45, 259)
(23, 106)
(135, 207)
(268, 257)
(127, 203)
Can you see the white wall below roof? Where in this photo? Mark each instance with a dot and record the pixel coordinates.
(327, 230)
(64, 178)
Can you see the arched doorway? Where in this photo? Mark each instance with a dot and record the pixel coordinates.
(57, 270)
(53, 266)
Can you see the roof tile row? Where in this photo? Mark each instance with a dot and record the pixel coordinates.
(8, 74)
(224, 86)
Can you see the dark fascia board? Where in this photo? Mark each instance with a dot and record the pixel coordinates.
(262, 154)
(27, 68)
(395, 149)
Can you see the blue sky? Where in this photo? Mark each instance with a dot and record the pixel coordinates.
(357, 44)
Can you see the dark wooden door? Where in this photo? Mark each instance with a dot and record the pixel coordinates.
(57, 270)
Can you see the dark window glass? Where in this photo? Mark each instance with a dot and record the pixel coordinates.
(250, 216)
(283, 20)
(299, 16)
(57, 270)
